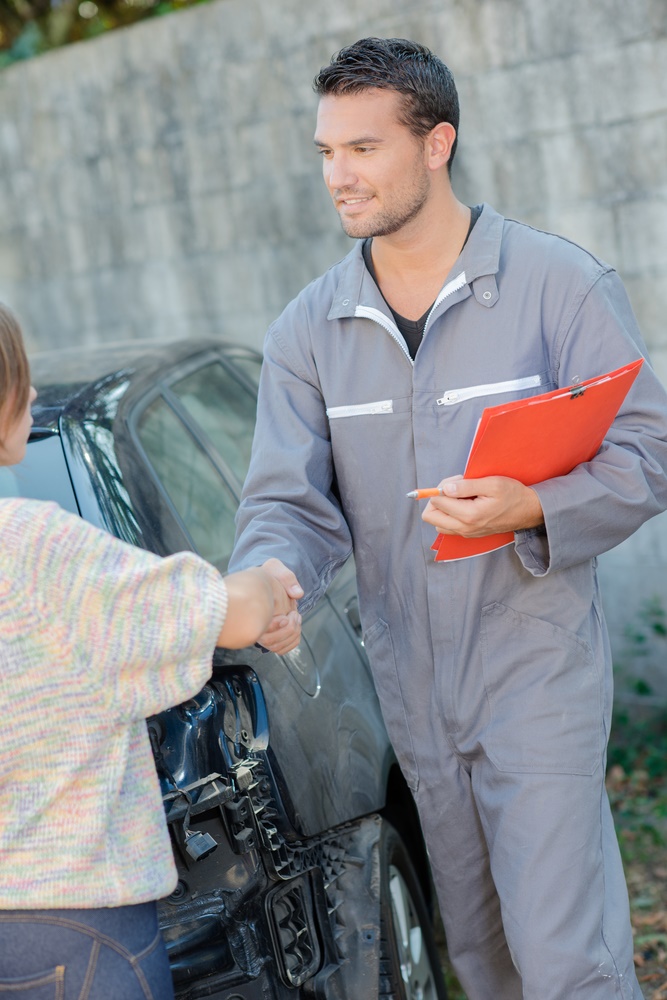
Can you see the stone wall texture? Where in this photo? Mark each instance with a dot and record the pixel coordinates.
(161, 181)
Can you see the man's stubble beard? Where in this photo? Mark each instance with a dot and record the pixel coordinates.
(389, 221)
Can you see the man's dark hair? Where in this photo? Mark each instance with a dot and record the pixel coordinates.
(413, 71)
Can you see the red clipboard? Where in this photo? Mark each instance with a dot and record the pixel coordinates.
(539, 438)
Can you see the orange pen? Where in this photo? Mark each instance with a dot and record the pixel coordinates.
(434, 491)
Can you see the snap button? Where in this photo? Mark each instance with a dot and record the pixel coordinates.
(486, 295)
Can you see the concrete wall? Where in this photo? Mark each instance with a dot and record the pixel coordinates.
(161, 181)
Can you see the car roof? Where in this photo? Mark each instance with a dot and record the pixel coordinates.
(67, 374)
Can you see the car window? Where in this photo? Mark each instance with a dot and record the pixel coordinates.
(225, 410)
(42, 475)
(250, 365)
(193, 484)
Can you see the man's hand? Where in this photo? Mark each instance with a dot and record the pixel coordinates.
(477, 507)
(284, 632)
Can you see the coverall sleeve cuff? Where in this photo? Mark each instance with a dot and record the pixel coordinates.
(532, 547)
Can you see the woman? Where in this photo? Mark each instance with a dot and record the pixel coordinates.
(95, 635)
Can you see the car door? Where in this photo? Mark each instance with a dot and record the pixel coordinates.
(194, 429)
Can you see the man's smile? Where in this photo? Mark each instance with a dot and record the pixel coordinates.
(353, 200)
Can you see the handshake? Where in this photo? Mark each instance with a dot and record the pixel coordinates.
(262, 608)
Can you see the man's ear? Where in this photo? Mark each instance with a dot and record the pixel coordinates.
(439, 144)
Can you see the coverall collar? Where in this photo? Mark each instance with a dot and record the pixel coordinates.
(479, 262)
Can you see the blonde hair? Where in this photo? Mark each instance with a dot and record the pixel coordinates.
(14, 367)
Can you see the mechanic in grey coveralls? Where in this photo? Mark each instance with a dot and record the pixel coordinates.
(494, 673)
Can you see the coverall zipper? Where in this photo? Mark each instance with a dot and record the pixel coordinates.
(451, 396)
(370, 312)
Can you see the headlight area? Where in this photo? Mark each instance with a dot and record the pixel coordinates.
(257, 912)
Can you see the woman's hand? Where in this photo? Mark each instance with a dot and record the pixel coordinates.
(262, 604)
(284, 630)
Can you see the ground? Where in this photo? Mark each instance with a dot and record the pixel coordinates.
(639, 801)
(637, 786)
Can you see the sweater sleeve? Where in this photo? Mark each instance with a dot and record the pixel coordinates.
(146, 625)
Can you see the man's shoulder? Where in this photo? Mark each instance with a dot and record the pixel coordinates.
(541, 247)
(319, 293)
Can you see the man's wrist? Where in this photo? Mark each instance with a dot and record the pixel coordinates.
(534, 515)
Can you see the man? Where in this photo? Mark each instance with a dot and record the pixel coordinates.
(494, 673)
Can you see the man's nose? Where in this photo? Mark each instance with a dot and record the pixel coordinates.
(338, 173)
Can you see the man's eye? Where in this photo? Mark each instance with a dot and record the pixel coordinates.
(326, 153)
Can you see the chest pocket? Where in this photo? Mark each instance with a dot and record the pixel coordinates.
(451, 397)
(378, 408)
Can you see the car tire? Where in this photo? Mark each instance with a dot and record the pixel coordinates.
(409, 963)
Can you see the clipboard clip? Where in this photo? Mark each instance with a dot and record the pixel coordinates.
(576, 390)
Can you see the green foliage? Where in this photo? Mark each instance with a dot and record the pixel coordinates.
(454, 991)
(651, 624)
(637, 783)
(639, 743)
(637, 755)
(644, 657)
(28, 43)
(29, 27)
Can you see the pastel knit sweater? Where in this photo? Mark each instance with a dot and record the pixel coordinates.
(95, 635)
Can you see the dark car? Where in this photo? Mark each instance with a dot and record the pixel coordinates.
(302, 870)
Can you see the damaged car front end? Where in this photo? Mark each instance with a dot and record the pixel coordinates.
(258, 910)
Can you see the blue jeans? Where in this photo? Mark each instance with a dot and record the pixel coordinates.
(101, 954)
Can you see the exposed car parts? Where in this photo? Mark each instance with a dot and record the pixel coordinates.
(306, 910)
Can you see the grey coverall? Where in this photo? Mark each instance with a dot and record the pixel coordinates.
(494, 673)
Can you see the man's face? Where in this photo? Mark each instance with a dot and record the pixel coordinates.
(373, 166)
